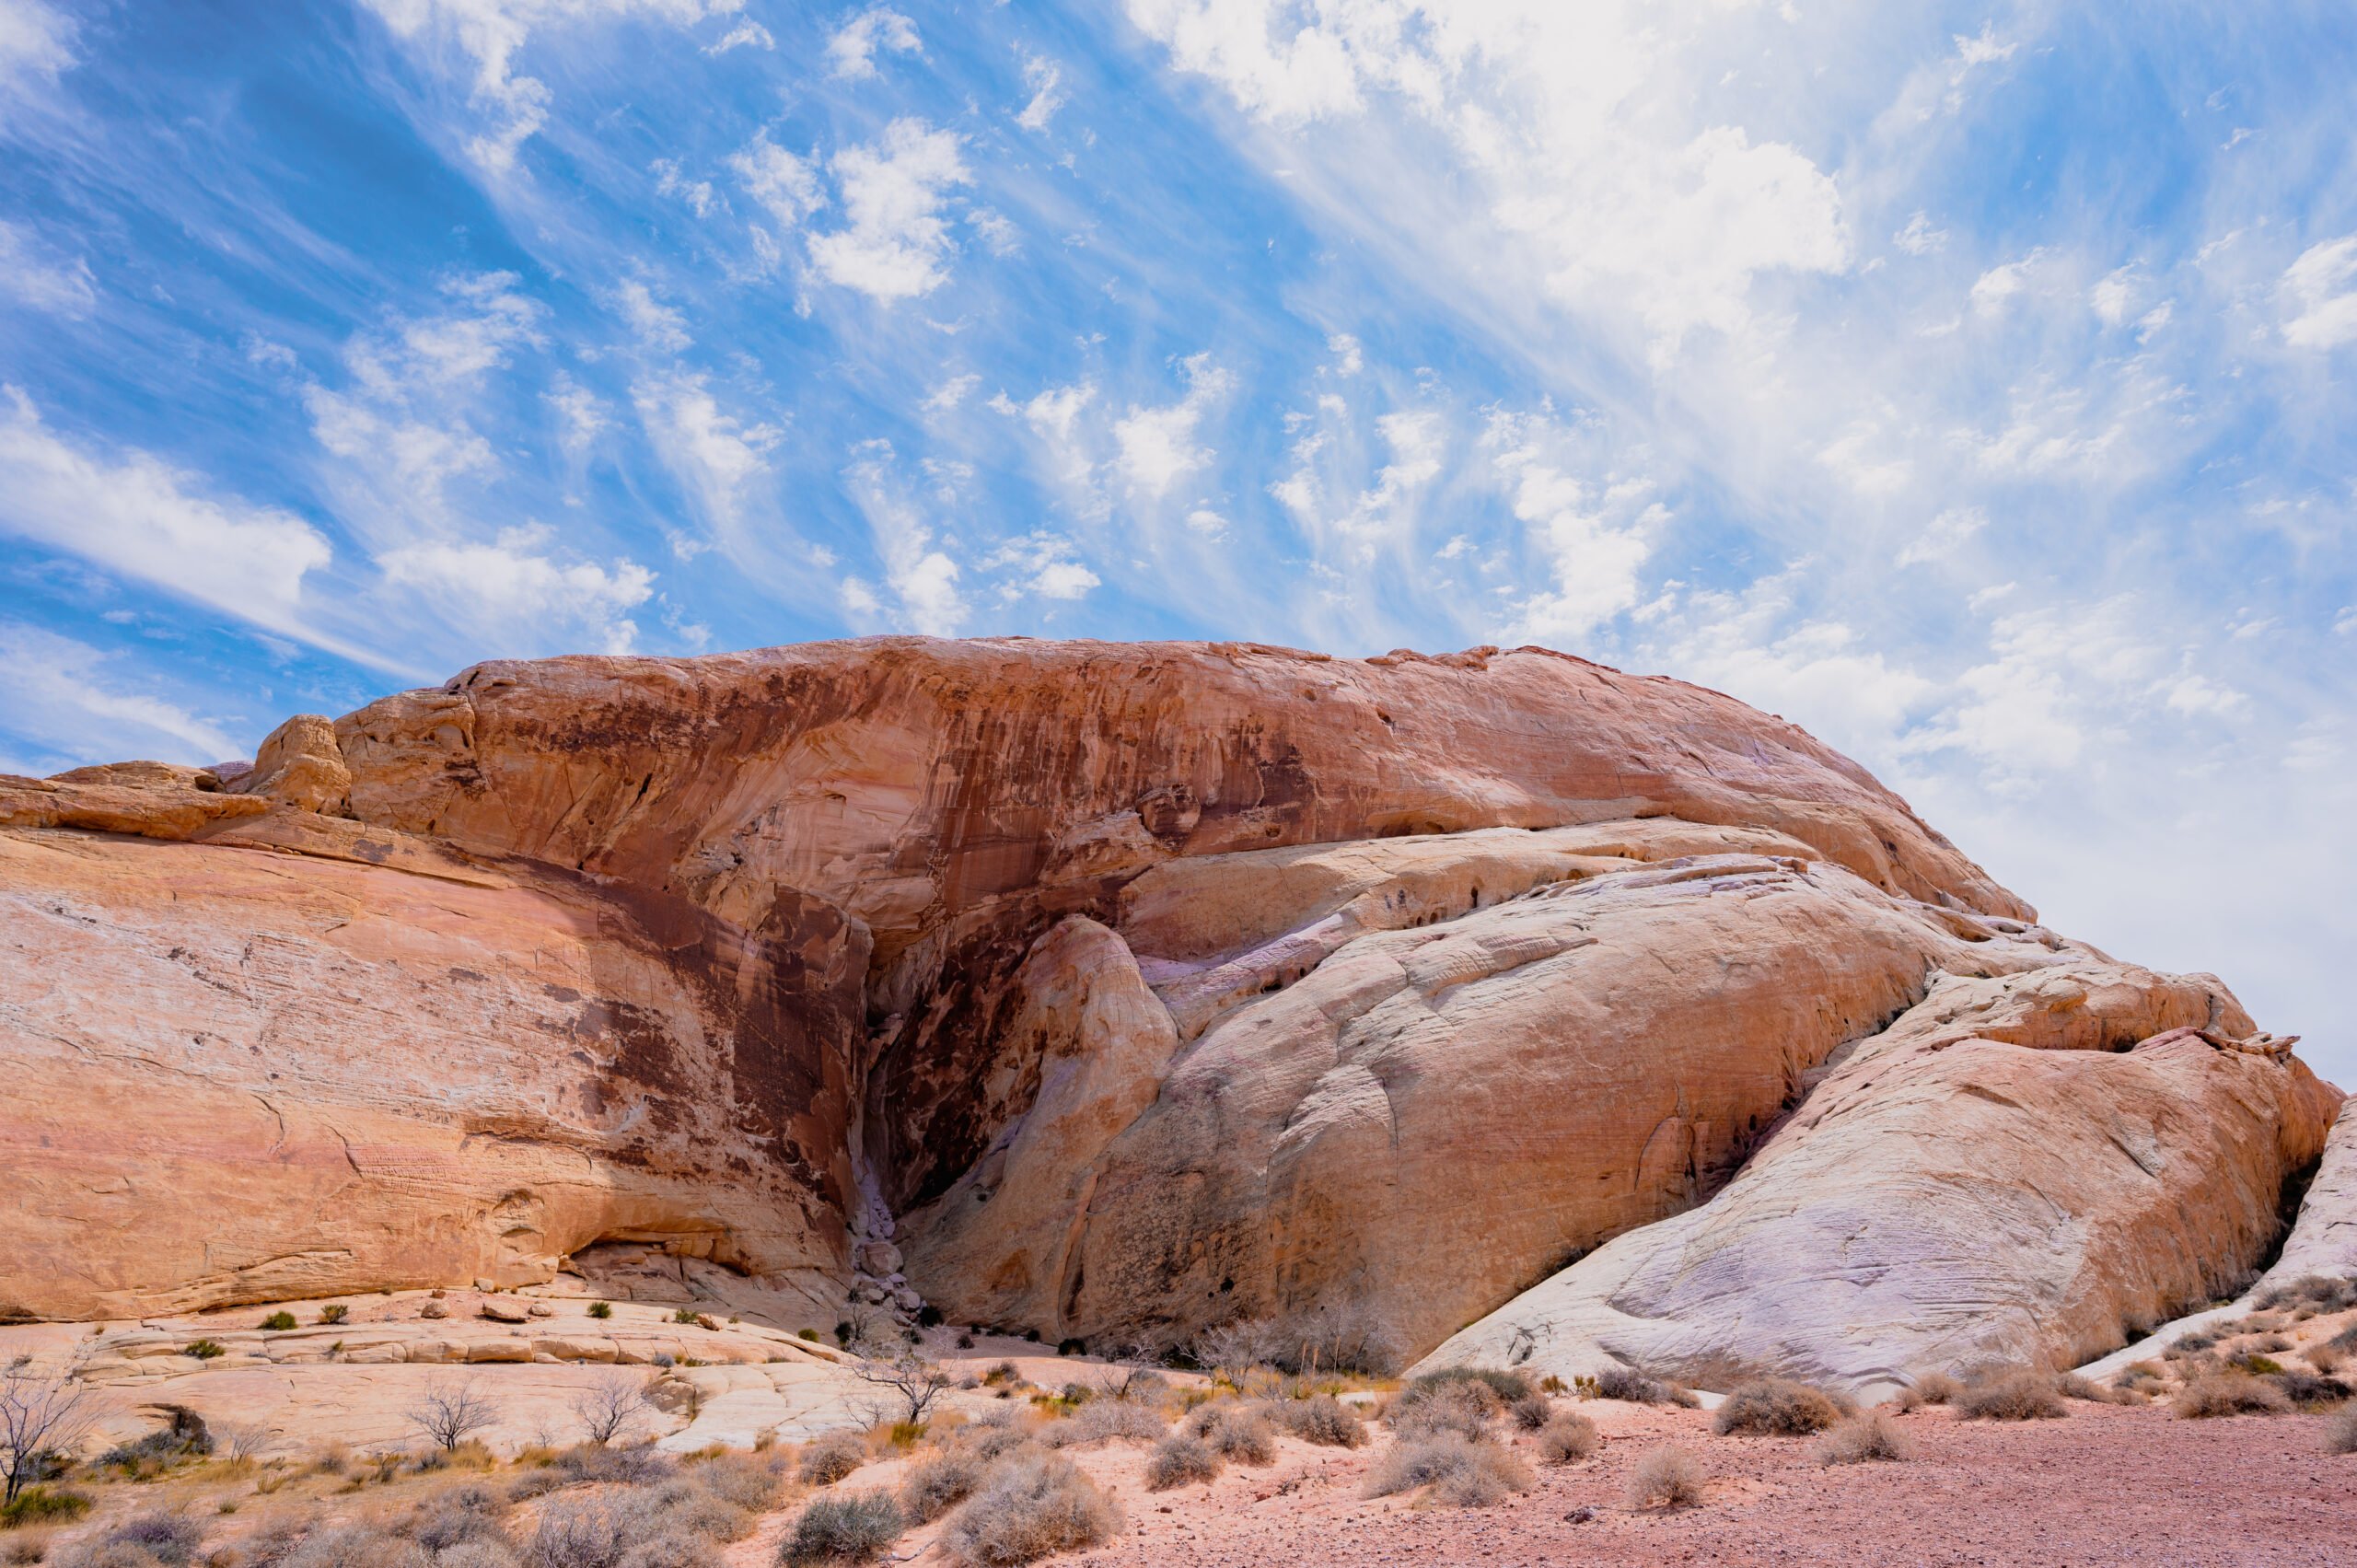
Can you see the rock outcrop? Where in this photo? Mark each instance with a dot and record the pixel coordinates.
(2034, 1167)
(1096, 990)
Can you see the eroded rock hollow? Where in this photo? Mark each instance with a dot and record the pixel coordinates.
(1112, 991)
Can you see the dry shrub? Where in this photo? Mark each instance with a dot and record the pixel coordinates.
(1321, 1419)
(1778, 1407)
(2323, 1357)
(1668, 1477)
(749, 1481)
(24, 1545)
(1234, 1432)
(1863, 1438)
(2141, 1377)
(853, 1527)
(1450, 1469)
(465, 1514)
(2012, 1393)
(169, 1539)
(478, 1555)
(1635, 1387)
(1568, 1438)
(1100, 1419)
(2314, 1291)
(580, 1532)
(1462, 1408)
(939, 1483)
(1932, 1388)
(2307, 1388)
(2267, 1344)
(1504, 1386)
(2073, 1386)
(355, 1545)
(2229, 1393)
(1029, 1505)
(1180, 1459)
(1532, 1412)
(826, 1461)
(2340, 1433)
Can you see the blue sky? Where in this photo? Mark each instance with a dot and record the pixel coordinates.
(1973, 385)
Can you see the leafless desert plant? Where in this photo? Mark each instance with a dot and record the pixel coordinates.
(608, 1405)
(449, 1412)
(1668, 1477)
(39, 1414)
(1863, 1438)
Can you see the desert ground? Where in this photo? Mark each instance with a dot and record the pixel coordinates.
(299, 1447)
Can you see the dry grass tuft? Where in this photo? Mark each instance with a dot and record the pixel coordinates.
(1780, 1407)
(1029, 1506)
(1181, 1461)
(2229, 1393)
(853, 1527)
(2014, 1393)
(1567, 1438)
(1668, 1477)
(937, 1483)
(2340, 1433)
(1862, 1439)
(1464, 1409)
(828, 1459)
(1323, 1420)
(1450, 1469)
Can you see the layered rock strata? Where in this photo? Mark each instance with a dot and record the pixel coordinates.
(1094, 990)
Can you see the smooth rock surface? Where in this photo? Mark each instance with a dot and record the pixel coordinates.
(1999, 1177)
(1437, 1117)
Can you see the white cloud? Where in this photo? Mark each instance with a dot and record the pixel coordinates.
(1208, 523)
(745, 34)
(1042, 77)
(36, 39)
(921, 576)
(657, 325)
(1595, 539)
(786, 185)
(1560, 113)
(1985, 49)
(399, 420)
(2114, 296)
(36, 276)
(711, 454)
(852, 50)
(65, 692)
(515, 584)
(1349, 359)
(701, 198)
(1156, 445)
(1996, 288)
(134, 515)
(2320, 303)
(950, 393)
(1943, 536)
(1041, 564)
(583, 414)
(893, 191)
(492, 32)
(1919, 237)
(1855, 458)
(2198, 694)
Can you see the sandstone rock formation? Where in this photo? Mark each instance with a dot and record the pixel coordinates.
(1096, 989)
(2037, 1165)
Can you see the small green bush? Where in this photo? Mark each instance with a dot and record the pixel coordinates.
(43, 1505)
(279, 1322)
(205, 1350)
(334, 1312)
(810, 1334)
(684, 1314)
(601, 1310)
